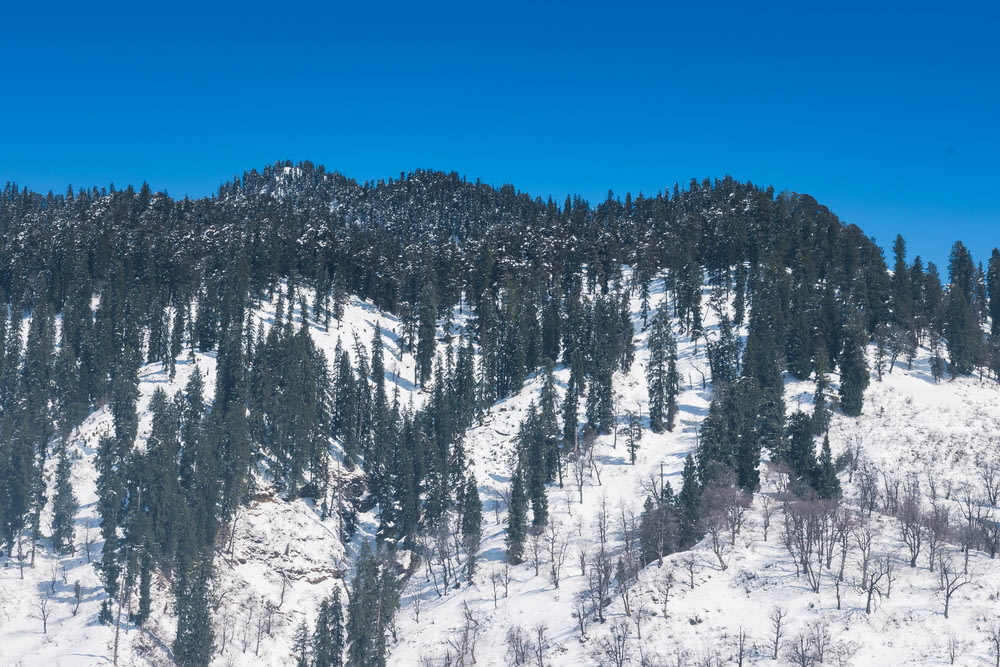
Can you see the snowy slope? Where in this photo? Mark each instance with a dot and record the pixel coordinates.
(283, 560)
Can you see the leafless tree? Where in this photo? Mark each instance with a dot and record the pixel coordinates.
(937, 522)
(465, 642)
(540, 643)
(580, 614)
(518, 645)
(954, 646)
(537, 544)
(989, 474)
(950, 579)
(582, 556)
(741, 646)
(599, 583)
(800, 651)
(766, 512)
(863, 535)
(664, 585)
(77, 596)
(614, 648)
(42, 604)
(689, 563)
(558, 547)
(578, 469)
(779, 619)
(868, 492)
(993, 638)
(819, 637)
(890, 492)
(879, 582)
(640, 605)
(911, 521)
(806, 524)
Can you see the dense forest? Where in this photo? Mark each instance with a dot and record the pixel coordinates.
(98, 283)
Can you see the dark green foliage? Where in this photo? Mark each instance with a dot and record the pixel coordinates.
(689, 505)
(64, 505)
(724, 353)
(327, 644)
(373, 603)
(472, 524)
(517, 520)
(993, 291)
(854, 375)
(738, 424)
(661, 373)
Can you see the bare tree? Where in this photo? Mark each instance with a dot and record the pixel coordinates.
(868, 491)
(741, 646)
(539, 644)
(950, 579)
(42, 604)
(778, 622)
(614, 648)
(863, 536)
(766, 512)
(558, 547)
(989, 475)
(664, 585)
(689, 562)
(800, 651)
(911, 521)
(879, 582)
(954, 646)
(640, 605)
(937, 524)
(580, 614)
(537, 544)
(993, 638)
(518, 645)
(465, 643)
(599, 583)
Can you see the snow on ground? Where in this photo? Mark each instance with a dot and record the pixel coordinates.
(283, 560)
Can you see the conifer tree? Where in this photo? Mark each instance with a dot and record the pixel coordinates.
(853, 372)
(993, 291)
(472, 528)
(327, 644)
(372, 605)
(64, 504)
(517, 520)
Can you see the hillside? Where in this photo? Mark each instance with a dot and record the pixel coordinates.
(427, 421)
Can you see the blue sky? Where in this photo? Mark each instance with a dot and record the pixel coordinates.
(888, 113)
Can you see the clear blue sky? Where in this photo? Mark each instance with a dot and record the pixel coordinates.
(886, 112)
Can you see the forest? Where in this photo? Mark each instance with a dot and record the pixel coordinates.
(491, 289)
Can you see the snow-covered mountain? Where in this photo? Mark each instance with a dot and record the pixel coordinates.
(705, 606)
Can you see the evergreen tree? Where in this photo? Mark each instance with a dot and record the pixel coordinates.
(327, 644)
(472, 528)
(64, 505)
(662, 378)
(689, 505)
(993, 290)
(517, 520)
(853, 372)
(372, 605)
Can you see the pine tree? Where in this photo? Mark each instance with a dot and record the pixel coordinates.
(472, 528)
(853, 372)
(327, 644)
(827, 485)
(373, 603)
(689, 504)
(661, 374)
(517, 520)
(64, 505)
(993, 290)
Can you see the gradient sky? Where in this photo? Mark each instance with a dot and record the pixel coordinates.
(886, 112)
